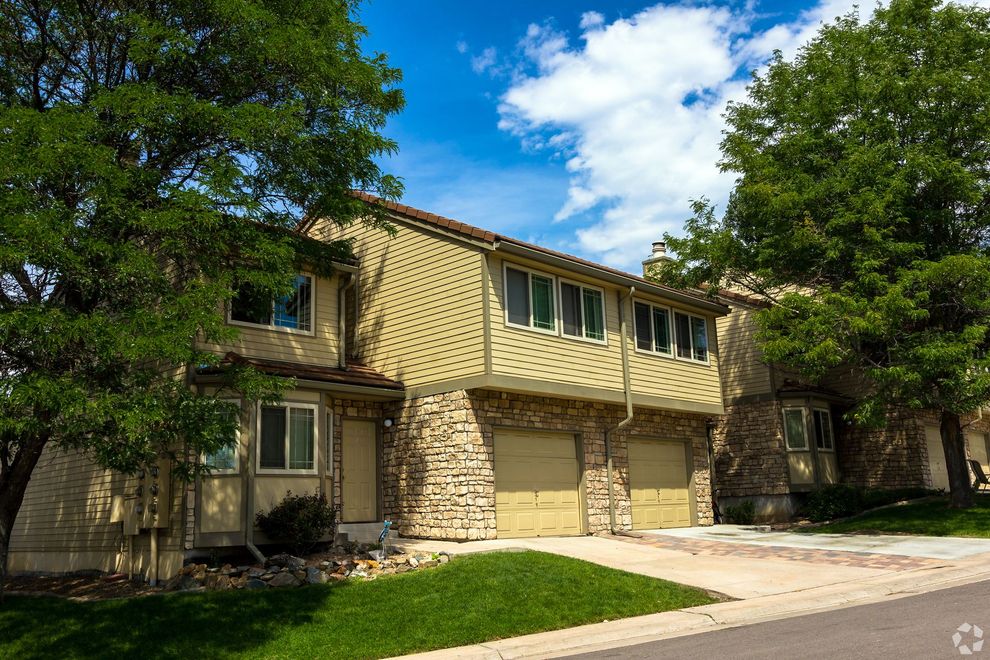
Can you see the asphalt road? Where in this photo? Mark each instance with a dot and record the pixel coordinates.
(912, 627)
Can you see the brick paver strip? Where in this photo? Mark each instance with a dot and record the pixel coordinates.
(751, 551)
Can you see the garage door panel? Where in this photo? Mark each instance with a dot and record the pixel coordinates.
(536, 484)
(658, 481)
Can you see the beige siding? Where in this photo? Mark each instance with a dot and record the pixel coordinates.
(554, 359)
(421, 318)
(65, 520)
(318, 348)
(743, 371)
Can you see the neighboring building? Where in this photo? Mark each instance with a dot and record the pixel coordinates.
(780, 438)
(462, 384)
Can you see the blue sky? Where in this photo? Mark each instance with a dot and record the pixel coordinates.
(585, 127)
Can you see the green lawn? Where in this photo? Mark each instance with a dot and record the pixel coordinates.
(471, 599)
(928, 518)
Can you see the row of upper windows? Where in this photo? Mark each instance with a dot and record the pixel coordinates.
(531, 302)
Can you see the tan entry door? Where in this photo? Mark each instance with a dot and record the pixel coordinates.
(536, 484)
(936, 458)
(358, 471)
(658, 483)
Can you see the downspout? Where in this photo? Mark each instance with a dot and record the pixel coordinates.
(249, 510)
(342, 319)
(627, 387)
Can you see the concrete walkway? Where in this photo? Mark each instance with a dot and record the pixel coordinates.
(906, 546)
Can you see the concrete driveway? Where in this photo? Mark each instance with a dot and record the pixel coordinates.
(736, 568)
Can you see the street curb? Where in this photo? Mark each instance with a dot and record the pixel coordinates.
(707, 618)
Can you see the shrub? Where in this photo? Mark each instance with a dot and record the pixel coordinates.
(299, 521)
(833, 501)
(873, 498)
(743, 513)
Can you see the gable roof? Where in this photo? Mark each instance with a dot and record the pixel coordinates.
(499, 241)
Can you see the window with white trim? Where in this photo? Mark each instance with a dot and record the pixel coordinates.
(287, 437)
(795, 429)
(652, 328)
(691, 336)
(224, 460)
(824, 438)
(529, 299)
(291, 312)
(582, 311)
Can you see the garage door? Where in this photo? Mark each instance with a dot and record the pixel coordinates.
(658, 481)
(536, 484)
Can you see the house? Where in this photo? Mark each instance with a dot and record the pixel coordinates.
(781, 438)
(463, 384)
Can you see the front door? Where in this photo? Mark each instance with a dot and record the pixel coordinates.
(358, 471)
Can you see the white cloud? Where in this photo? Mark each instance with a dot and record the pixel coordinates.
(461, 47)
(487, 59)
(634, 107)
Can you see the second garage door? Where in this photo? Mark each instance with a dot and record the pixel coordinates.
(658, 483)
(536, 484)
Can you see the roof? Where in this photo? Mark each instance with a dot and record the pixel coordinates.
(356, 374)
(498, 240)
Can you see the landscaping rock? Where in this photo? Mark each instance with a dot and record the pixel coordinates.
(182, 583)
(287, 561)
(254, 571)
(413, 562)
(255, 583)
(377, 555)
(315, 576)
(444, 558)
(285, 580)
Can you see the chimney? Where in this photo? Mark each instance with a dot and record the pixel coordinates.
(658, 254)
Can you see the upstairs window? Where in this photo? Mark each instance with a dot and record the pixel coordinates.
(823, 429)
(291, 312)
(691, 336)
(530, 300)
(652, 328)
(582, 311)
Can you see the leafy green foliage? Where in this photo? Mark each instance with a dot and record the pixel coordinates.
(300, 521)
(862, 210)
(154, 156)
(743, 513)
(833, 501)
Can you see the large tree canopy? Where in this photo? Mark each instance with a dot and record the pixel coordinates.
(154, 156)
(862, 210)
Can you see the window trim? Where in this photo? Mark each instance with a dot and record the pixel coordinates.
(831, 431)
(315, 470)
(708, 349)
(804, 423)
(653, 342)
(581, 286)
(237, 447)
(529, 281)
(281, 328)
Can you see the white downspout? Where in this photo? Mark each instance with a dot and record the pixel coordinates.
(627, 386)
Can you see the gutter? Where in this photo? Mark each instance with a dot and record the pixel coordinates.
(342, 319)
(627, 387)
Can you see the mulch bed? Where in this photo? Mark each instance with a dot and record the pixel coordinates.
(79, 587)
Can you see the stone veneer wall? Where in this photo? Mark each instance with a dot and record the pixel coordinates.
(439, 477)
(895, 456)
(750, 456)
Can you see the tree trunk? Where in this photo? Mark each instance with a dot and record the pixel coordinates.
(954, 445)
(13, 483)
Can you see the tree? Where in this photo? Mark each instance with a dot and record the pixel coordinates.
(861, 210)
(155, 156)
